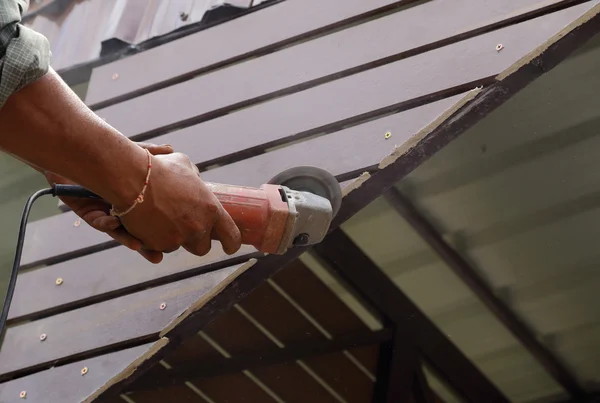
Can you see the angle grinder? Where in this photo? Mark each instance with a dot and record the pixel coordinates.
(295, 208)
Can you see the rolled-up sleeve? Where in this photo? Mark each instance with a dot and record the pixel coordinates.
(24, 53)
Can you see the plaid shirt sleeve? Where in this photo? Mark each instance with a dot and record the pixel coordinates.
(24, 53)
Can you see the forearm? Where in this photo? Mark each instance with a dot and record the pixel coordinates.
(49, 127)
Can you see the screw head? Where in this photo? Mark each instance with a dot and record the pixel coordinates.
(162, 306)
(499, 47)
(23, 394)
(84, 370)
(115, 76)
(59, 281)
(301, 240)
(387, 135)
(43, 336)
(77, 223)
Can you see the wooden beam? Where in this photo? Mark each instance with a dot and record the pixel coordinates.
(262, 358)
(470, 276)
(590, 397)
(398, 361)
(343, 256)
(421, 391)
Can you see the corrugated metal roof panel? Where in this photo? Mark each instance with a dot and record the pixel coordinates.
(76, 32)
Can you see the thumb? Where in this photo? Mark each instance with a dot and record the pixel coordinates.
(156, 149)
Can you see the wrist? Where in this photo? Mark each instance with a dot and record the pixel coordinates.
(129, 179)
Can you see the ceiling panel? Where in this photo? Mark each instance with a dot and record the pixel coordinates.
(518, 196)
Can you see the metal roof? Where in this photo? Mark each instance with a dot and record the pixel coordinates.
(76, 29)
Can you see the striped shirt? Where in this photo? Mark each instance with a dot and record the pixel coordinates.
(24, 53)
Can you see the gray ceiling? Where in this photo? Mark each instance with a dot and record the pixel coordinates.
(518, 195)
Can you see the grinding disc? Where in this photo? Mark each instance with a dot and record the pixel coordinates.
(314, 180)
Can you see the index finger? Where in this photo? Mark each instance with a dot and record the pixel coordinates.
(227, 232)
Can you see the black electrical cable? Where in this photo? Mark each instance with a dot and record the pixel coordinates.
(56, 190)
(17, 261)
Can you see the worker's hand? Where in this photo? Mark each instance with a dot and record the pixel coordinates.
(179, 210)
(95, 212)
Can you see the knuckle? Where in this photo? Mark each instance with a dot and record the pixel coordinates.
(212, 208)
(182, 158)
(189, 222)
(200, 236)
(191, 227)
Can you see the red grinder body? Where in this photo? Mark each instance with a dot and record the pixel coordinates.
(295, 208)
(262, 214)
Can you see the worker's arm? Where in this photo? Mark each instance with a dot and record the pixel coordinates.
(44, 123)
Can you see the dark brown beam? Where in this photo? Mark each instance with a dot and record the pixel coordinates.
(591, 397)
(421, 391)
(398, 362)
(262, 358)
(345, 258)
(477, 284)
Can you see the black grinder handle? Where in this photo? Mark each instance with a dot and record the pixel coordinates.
(73, 191)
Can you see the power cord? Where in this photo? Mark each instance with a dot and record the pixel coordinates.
(56, 191)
